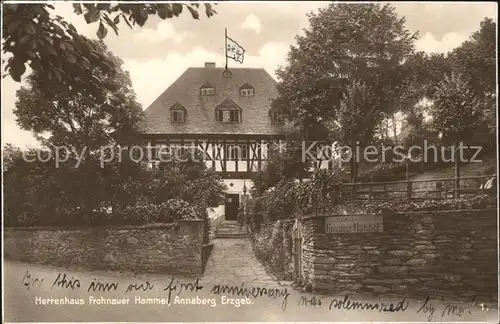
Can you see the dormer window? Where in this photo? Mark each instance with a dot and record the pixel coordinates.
(228, 112)
(177, 116)
(276, 117)
(247, 90)
(207, 90)
(228, 116)
(178, 113)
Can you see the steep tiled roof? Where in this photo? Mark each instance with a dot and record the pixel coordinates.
(200, 110)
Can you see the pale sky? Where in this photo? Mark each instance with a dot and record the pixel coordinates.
(158, 53)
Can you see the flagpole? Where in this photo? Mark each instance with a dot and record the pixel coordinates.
(225, 45)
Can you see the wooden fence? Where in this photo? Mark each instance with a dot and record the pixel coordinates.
(419, 189)
(416, 190)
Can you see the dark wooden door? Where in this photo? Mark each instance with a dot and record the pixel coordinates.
(232, 206)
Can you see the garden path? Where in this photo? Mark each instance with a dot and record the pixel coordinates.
(233, 261)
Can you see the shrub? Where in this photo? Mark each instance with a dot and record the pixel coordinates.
(39, 194)
(393, 171)
(177, 209)
(401, 206)
(138, 214)
(289, 198)
(260, 244)
(272, 247)
(170, 211)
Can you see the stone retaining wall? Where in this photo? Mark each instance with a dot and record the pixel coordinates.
(437, 254)
(159, 248)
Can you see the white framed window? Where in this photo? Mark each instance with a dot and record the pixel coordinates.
(247, 92)
(207, 91)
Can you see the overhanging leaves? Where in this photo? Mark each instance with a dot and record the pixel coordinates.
(21, 36)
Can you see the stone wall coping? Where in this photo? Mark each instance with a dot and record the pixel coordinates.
(280, 220)
(90, 228)
(403, 213)
(111, 227)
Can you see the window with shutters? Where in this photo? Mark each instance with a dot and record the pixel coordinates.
(177, 113)
(228, 112)
(228, 116)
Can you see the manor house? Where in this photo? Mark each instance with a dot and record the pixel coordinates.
(227, 115)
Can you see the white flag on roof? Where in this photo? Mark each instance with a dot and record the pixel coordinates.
(234, 50)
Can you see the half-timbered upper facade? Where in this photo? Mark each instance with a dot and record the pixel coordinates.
(226, 114)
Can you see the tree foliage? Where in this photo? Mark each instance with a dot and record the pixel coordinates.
(38, 192)
(417, 130)
(345, 42)
(285, 162)
(475, 60)
(53, 47)
(187, 178)
(428, 71)
(289, 198)
(348, 46)
(456, 112)
(81, 116)
(350, 127)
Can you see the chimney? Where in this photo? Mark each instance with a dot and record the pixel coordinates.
(209, 65)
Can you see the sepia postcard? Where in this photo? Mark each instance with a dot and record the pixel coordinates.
(249, 161)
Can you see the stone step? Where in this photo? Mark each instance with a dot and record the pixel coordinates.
(231, 228)
(230, 225)
(231, 235)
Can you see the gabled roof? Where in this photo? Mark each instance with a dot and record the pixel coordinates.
(176, 106)
(246, 86)
(228, 103)
(201, 109)
(206, 85)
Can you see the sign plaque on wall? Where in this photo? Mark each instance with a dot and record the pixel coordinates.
(354, 224)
